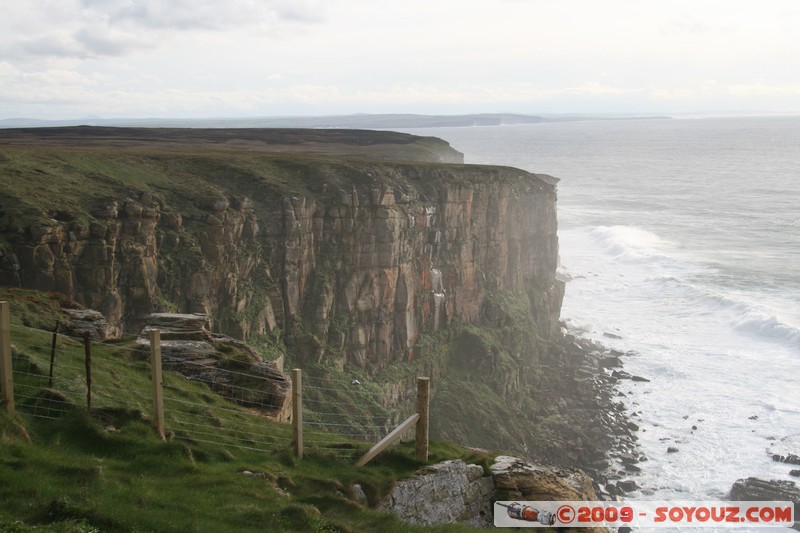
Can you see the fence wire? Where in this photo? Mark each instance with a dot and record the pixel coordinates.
(341, 410)
(229, 407)
(225, 407)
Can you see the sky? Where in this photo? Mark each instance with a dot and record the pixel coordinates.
(67, 59)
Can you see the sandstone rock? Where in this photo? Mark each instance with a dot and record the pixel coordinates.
(86, 320)
(627, 485)
(754, 489)
(609, 362)
(516, 479)
(536, 482)
(228, 366)
(358, 494)
(621, 374)
(443, 493)
(789, 458)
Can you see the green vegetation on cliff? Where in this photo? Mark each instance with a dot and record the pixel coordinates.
(107, 471)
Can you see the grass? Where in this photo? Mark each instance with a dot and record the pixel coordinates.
(105, 469)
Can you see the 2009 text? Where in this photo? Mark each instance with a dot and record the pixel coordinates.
(643, 514)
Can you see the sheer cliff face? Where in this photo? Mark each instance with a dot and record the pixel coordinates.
(354, 273)
(346, 271)
(368, 270)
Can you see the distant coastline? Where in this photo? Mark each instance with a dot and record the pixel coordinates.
(355, 121)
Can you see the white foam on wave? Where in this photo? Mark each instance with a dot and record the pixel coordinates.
(756, 316)
(754, 319)
(577, 326)
(631, 244)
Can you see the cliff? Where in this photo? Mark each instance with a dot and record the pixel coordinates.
(388, 261)
(351, 260)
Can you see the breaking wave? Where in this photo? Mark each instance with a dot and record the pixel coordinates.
(630, 244)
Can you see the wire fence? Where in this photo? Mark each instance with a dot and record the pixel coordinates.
(203, 403)
(206, 399)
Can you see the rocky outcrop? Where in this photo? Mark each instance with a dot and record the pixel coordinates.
(454, 492)
(83, 321)
(754, 489)
(444, 493)
(228, 366)
(522, 480)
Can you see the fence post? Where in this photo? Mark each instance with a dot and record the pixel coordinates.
(297, 411)
(423, 391)
(53, 353)
(6, 367)
(157, 380)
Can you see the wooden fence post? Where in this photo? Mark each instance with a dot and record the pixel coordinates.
(53, 353)
(157, 380)
(6, 367)
(87, 351)
(297, 411)
(423, 394)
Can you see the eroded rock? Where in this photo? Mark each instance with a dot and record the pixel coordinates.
(84, 321)
(228, 366)
(443, 493)
(755, 489)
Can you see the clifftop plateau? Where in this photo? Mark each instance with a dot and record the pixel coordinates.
(386, 145)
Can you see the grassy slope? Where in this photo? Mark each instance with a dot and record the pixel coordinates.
(71, 474)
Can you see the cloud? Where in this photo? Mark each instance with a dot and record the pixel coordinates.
(102, 41)
(7, 70)
(686, 25)
(205, 14)
(592, 88)
(111, 28)
(762, 89)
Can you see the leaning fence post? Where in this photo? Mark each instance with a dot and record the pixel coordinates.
(53, 353)
(6, 368)
(423, 390)
(156, 378)
(297, 411)
(87, 350)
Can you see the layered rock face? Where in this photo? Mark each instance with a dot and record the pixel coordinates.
(228, 366)
(372, 269)
(454, 492)
(349, 269)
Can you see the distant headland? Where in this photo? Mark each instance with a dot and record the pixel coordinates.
(354, 121)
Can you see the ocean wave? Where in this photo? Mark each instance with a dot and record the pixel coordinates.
(752, 319)
(578, 326)
(629, 243)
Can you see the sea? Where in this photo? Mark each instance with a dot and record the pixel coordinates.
(680, 246)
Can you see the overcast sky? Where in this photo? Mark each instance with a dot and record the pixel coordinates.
(236, 58)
